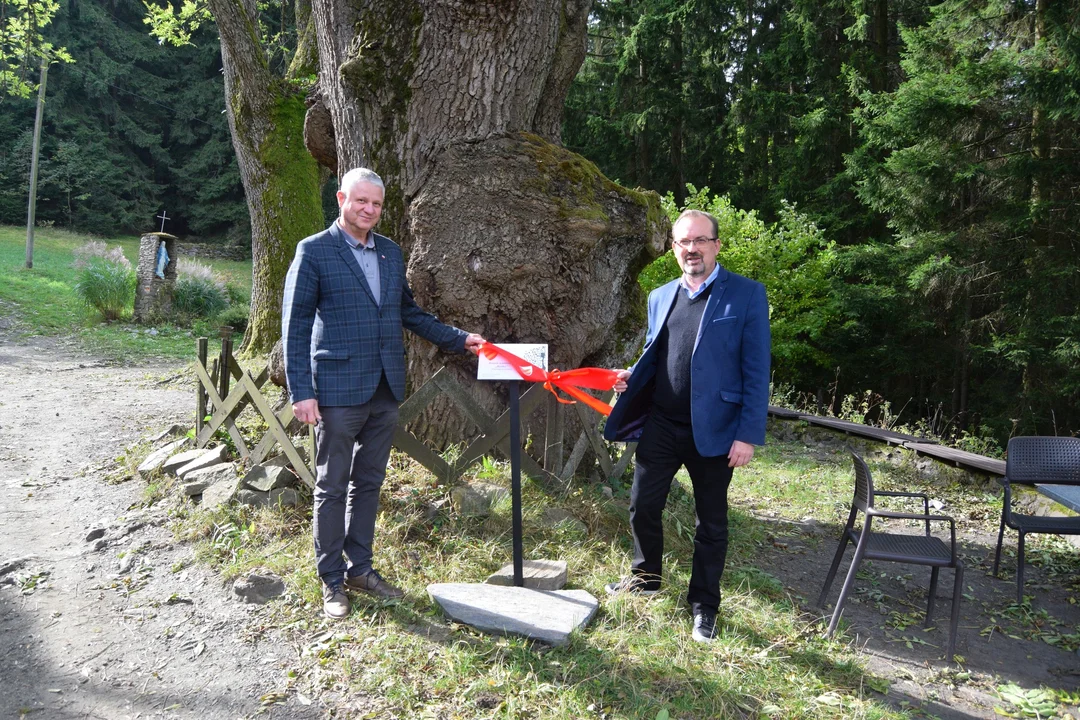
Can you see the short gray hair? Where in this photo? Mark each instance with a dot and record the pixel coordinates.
(359, 175)
(688, 213)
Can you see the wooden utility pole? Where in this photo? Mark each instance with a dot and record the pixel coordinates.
(34, 165)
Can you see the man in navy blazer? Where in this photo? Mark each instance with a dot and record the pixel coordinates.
(346, 303)
(698, 396)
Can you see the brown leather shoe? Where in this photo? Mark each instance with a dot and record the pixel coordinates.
(335, 602)
(373, 584)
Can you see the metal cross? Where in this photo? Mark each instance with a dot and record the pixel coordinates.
(163, 217)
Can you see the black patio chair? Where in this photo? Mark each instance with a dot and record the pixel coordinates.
(1031, 460)
(895, 547)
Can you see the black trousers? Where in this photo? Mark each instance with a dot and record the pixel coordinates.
(665, 445)
(352, 447)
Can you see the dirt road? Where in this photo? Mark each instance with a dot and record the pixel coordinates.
(80, 635)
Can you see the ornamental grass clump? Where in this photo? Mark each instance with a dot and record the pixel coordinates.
(199, 292)
(105, 280)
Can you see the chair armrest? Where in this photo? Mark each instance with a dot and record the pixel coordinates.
(895, 493)
(873, 512)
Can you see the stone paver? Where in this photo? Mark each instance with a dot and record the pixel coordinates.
(157, 458)
(537, 574)
(545, 615)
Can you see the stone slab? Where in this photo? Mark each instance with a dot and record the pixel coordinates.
(258, 588)
(208, 458)
(545, 615)
(218, 494)
(171, 431)
(278, 497)
(537, 574)
(156, 459)
(196, 482)
(179, 460)
(266, 478)
(476, 499)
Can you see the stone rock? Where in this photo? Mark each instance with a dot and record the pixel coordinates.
(432, 510)
(100, 544)
(127, 562)
(536, 574)
(476, 499)
(545, 615)
(179, 460)
(218, 494)
(278, 497)
(258, 588)
(557, 516)
(252, 498)
(208, 458)
(266, 478)
(155, 460)
(196, 481)
(13, 564)
(171, 431)
(284, 497)
(94, 534)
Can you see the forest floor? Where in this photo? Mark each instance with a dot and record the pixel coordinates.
(79, 638)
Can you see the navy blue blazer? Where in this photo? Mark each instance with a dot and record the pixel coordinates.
(337, 341)
(729, 370)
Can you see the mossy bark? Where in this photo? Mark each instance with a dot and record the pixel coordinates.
(280, 178)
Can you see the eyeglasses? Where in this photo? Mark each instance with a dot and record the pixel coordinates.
(694, 243)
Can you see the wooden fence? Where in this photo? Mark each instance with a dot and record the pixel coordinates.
(214, 397)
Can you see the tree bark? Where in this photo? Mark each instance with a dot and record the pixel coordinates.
(280, 178)
(458, 106)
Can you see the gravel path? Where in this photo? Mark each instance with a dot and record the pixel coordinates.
(79, 637)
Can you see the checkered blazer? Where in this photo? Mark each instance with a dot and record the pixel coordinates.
(337, 340)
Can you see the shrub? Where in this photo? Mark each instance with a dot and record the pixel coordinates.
(237, 295)
(235, 316)
(199, 292)
(105, 280)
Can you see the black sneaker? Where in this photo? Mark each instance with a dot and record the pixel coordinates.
(704, 626)
(633, 584)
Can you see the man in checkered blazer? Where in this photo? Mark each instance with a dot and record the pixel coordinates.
(346, 303)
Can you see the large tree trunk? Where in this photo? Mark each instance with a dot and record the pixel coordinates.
(280, 178)
(458, 106)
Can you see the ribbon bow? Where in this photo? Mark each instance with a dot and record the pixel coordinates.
(569, 381)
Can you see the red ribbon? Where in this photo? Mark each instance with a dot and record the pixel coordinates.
(569, 381)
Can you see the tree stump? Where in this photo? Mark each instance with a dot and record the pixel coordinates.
(154, 294)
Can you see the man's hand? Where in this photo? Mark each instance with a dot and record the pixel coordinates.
(620, 384)
(307, 411)
(473, 343)
(739, 454)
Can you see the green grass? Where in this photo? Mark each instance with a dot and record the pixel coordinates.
(42, 300)
(634, 660)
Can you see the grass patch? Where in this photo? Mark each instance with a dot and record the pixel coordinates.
(636, 658)
(42, 300)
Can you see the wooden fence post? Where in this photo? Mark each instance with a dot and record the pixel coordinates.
(223, 365)
(200, 395)
(553, 436)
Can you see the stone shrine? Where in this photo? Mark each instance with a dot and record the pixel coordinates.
(155, 276)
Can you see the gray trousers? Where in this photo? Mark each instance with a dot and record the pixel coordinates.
(352, 447)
